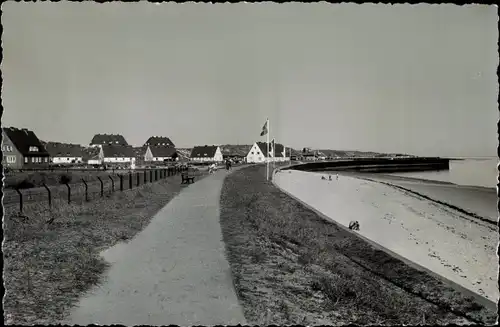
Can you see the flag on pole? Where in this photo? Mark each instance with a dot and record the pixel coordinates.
(271, 148)
(264, 129)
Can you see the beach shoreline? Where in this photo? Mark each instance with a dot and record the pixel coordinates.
(449, 243)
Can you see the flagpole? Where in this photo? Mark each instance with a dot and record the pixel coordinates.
(268, 132)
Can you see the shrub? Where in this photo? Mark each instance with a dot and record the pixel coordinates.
(65, 179)
(24, 184)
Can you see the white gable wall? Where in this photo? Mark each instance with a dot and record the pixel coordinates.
(149, 155)
(255, 155)
(218, 155)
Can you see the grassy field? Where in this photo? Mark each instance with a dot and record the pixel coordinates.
(290, 266)
(52, 257)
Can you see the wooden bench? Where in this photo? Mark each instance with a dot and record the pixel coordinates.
(186, 179)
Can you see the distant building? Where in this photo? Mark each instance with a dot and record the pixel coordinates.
(235, 152)
(258, 153)
(160, 153)
(22, 149)
(207, 153)
(117, 155)
(159, 141)
(108, 139)
(63, 153)
(183, 154)
(140, 155)
(91, 156)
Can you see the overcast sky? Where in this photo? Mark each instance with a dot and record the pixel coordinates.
(414, 79)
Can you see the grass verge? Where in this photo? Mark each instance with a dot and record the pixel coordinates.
(47, 266)
(290, 266)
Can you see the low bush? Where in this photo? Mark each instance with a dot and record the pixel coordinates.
(65, 179)
(24, 184)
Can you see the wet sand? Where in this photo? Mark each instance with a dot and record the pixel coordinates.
(480, 201)
(448, 242)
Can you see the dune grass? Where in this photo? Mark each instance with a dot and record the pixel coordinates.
(52, 257)
(290, 266)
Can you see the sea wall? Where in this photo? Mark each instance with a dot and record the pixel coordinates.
(375, 165)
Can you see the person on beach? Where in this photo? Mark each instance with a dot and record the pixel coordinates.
(354, 225)
(337, 176)
(330, 177)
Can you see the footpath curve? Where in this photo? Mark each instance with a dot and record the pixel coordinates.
(174, 272)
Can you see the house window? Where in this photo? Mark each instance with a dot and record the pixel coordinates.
(252, 152)
(46, 159)
(25, 160)
(6, 148)
(33, 149)
(11, 159)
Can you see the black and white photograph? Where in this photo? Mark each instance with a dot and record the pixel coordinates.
(249, 163)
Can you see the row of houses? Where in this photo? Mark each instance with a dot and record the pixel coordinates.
(21, 148)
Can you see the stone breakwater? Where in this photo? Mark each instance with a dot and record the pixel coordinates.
(375, 165)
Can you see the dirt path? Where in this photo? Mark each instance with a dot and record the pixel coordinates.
(173, 272)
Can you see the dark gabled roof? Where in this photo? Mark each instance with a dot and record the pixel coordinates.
(159, 141)
(162, 151)
(57, 149)
(277, 151)
(114, 139)
(116, 151)
(205, 151)
(23, 139)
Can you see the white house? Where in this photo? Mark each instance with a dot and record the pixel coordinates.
(117, 154)
(258, 153)
(160, 153)
(62, 153)
(206, 153)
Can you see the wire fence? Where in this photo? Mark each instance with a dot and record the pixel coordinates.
(86, 190)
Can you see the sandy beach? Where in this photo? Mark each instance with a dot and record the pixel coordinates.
(448, 242)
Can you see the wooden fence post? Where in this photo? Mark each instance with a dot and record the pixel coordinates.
(86, 190)
(102, 186)
(112, 184)
(137, 177)
(20, 199)
(129, 180)
(50, 196)
(121, 182)
(69, 192)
